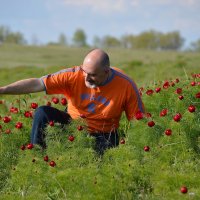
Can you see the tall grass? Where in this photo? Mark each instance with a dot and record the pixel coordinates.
(126, 172)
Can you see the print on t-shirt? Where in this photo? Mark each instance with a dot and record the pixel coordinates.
(98, 99)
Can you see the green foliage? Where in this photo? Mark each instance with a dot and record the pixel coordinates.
(153, 40)
(79, 38)
(125, 172)
(122, 173)
(110, 41)
(143, 66)
(7, 36)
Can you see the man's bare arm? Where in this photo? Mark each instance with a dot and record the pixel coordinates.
(25, 86)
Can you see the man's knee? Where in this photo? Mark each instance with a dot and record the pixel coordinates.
(42, 111)
(42, 108)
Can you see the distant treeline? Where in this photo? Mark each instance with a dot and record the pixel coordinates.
(152, 40)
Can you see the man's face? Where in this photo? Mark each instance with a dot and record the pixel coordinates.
(94, 77)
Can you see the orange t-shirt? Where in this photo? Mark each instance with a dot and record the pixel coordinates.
(102, 106)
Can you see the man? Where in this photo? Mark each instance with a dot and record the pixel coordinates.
(94, 90)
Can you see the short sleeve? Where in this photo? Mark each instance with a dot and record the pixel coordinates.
(57, 83)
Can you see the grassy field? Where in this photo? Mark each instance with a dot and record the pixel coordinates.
(143, 66)
(159, 154)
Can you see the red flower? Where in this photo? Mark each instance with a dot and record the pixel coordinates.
(184, 189)
(166, 85)
(148, 115)
(191, 108)
(18, 125)
(34, 105)
(149, 92)
(64, 101)
(23, 147)
(168, 132)
(71, 138)
(7, 131)
(48, 103)
(158, 90)
(177, 80)
(141, 89)
(181, 97)
(122, 141)
(146, 148)
(198, 95)
(163, 112)
(55, 100)
(27, 114)
(80, 128)
(139, 115)
(29, 146)
(52, 164)
(82, 116)
(6, 119)
(14, 110)
(179, 90)
(193, 83)
(172, 84)
(51, 123)
(46, 158)
(151, 123)
(177, 117)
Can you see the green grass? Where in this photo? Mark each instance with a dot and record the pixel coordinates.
(143, 66)
(123, 173)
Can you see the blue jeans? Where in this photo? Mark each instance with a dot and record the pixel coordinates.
(105, 141)
(44, 114)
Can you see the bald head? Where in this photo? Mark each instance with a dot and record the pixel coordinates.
(97, 58)
(96, 68)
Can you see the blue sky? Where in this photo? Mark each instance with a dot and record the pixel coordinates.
(46, 19)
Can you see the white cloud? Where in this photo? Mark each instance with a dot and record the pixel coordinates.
(122, 6)
(134, 3)
(99, 5)
(172, 2)
(119, 5)
(186, 24)
(118, 17)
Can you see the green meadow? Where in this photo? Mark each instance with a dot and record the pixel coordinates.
(143, 66)
(151, 162)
